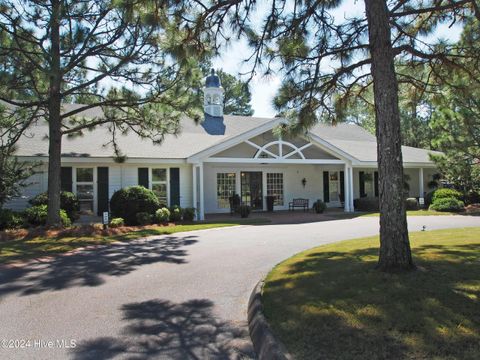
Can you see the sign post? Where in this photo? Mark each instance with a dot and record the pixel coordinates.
(421, 201)
(105, 219)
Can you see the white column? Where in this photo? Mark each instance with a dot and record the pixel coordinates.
(350, 182)
(420, 182)
(346, 189)
(202, 197)
(194, 185)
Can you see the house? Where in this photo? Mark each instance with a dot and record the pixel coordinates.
(223, 155)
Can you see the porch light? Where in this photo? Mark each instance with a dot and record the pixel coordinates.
(304, 182)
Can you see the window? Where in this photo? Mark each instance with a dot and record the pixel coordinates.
(275, 187)
(159, 185)
(84, 189)
(225, 189)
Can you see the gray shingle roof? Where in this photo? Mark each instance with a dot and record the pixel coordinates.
(193, 138)
(362, 145)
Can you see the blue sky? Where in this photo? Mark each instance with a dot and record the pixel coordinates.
(264, 89)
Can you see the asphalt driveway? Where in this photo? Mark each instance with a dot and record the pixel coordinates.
(179, 296)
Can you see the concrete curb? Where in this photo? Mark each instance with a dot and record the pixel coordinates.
(266, 345)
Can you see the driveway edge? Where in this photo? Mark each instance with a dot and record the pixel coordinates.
(265, 344)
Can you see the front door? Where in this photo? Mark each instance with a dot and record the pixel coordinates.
(251, 189)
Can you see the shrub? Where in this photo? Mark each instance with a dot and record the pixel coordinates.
(68, 202)
(244, 211)
(366, 204)
(37, 215)
(162, 215)
(188, 214)
(117, 222)
(319, 206)
(10, 219)
(127, 202)
(446, 193)
(144, 218)
(447, 204)
(175, 213)
(411, 204)
(428, 199)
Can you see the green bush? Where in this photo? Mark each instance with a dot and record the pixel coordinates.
(117, 222)
(37, 215)
(175, 213)
(428, 198)
(447, 204)
(366, 204)
(144, 218)
(68, 202)
(319, 206)
(411, 204)
(244, 211)
(446, 193)
(10, 219)
(128, 202)
(188, 214)
(162, 215)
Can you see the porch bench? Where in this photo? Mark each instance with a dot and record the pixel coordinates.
(298, 203)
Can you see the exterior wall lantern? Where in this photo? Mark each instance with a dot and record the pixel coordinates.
(304, 182)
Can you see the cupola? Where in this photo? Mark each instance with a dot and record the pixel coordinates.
(213, 95)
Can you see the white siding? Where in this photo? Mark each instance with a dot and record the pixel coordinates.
(37, 184)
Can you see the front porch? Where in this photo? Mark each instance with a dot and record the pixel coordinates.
(287, 217)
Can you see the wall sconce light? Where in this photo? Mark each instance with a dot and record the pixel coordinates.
(304, 182)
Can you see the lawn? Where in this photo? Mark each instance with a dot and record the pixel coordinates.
(330, 303)
(35, 243)
(420, 213)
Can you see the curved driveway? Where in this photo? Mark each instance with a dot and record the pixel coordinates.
(179, 296)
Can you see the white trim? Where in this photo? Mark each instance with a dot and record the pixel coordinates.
(94, 184)
(373, 164)
(167, 182)
(329, 148)
(194, 195)
(226, 144)
(274, 161)
(106, 160)
(350, 183)
(346, 189)
(202, 193)
(420, 183)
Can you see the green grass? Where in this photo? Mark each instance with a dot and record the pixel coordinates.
(40, 246)
(330, 303)
(419, 213)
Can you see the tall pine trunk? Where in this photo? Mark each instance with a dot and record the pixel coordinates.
(54, 121)
(395, 253)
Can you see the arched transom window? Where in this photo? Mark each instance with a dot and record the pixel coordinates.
(279, 149)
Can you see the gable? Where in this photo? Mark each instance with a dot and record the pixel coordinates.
(268, 146)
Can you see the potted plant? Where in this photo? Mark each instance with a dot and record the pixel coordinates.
(270, 202)
(244, 210)
(319, 206)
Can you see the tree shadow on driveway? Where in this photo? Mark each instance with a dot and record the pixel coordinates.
(88, 267)
(162, 329)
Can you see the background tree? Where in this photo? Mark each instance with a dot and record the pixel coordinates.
(127, 57)
(237, 97)
(13, 173)
(325, 58)
(456, 118)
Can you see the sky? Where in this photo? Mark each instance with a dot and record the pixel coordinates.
(231, 60)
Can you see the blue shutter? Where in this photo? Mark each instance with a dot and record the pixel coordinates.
(326, 187)
(66, 182)
(102, 190)
(174, 186)
(143, 177)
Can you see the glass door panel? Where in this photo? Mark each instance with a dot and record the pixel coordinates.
(252, 189)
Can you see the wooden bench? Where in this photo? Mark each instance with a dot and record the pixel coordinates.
(298, 203)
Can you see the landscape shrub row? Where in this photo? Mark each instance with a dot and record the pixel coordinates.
(136, 205)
